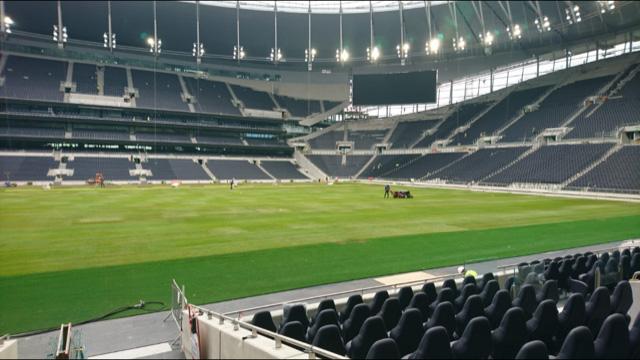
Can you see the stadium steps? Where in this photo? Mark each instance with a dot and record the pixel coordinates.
(624, 81)
(100, 79)
(575, 177)
(209, 173)
(535, 103)
(392, 129)
(186, 94)
(524, 155)
(131, 87)
(265, 171)
(445, 167)
(366, 165)
(309, 166)
(401, 166)
(234, 99)
(430, 131)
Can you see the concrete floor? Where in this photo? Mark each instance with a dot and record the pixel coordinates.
(110, 336)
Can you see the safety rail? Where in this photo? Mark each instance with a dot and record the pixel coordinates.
(362, 291)
(633, 244)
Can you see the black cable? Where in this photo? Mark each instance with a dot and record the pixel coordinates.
(142, 305)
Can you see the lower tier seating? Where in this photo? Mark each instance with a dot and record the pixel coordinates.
(283, 170)
(26, 168)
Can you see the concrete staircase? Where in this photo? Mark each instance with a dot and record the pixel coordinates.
(366, 165)
(312, 170)
(209, 173)
(265, 171)
(445, 167)
(534, 148)
(186, 94)
(604, 157)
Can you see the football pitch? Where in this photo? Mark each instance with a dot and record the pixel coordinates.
(71, 254)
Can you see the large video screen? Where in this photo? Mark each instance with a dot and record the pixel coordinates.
(415, 87)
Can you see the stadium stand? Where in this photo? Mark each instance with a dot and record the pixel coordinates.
(175, 169)
(384, 164)
(499, 115)
(551, 164)
(212, 96)
(85, 168)
(332, 164)
(479, 164)
(253, 99)
(149, 135)
(424, 165)
(33, 78)
(408, 132)
(617, 172)
(283, 170)
(26, 168)
(99, 134)
(158, 91)
(365, 139)
(554, 109)
(296, 107)
(115, 80)
(218, 140)
(54, 132)
(236, 169)
(537, 319)
(460, 116)
(84, 75)
(327, 140)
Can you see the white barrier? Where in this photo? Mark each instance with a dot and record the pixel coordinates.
(8, 348)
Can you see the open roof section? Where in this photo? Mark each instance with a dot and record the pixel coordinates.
(321, 7)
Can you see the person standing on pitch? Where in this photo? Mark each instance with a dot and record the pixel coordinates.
(233, 182)
(387, 191)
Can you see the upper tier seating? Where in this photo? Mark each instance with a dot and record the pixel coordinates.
(283, 170)
(85, 168)
(383, 164)
(218, 140)
(461, 116)
(618, 171)
(407, 133)
(236, 169)
(212, 96)
(53, 132)
(253, 99)
(332, 164)
(115, 80)
(328, 105)
(499, 115)
(327, 140)
(265, 142)
(479, 164)
(100, 134)
(84, 75)
(298, 107)
(26, 168)
(551, 164)
(158, 91)
(159, 136)
(175, 169)
(555, 109)
(33, 79)
(365, 139)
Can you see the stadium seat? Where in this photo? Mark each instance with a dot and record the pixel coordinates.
(486, 277)
(475, 342)
(634, 339)
(549, 291)
(295, 330)
(509, 337)
(635, 263)
(499, 305)
(544, 323)
(296, 312)
(444, 316)
(489, 291)
(264, 320)
(577, 345)
(325, 317)
(430, 290)
(450, 284)
(622, 298)
(405, 294)
(625, 267)
(526, 300)
(533, 350)
(352, 325)
(472, 309)
(377, 301)
(408, 332)
(383, 349)
(352, 301)
(372, 330)
(420, 301)
(467, 291)
(573, 314)
(328, 338)
(553, 271)
(445, 295)
(598, 308)
(390, 312)
(469, 280)
(612, 341)
(323, 305)
(433, 345)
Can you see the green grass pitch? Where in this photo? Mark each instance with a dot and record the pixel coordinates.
(70, 254)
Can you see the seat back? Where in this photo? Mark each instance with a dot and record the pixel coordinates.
(509, 337)
(408, 332)
(433, 345)
(351, 327)
(352, 301)
(577, 345)
(613, 339)
(405, 295)
(390, 312)
(264, 320)
(475, 342)
(383, 349)
(328, 338)
(372, 330)
(535, 349)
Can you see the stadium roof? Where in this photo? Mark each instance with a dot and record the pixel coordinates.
(322, 7)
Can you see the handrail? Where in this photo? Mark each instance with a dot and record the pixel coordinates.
(632, 245)
(279, 338)
(344, 292)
